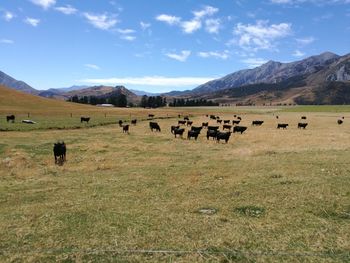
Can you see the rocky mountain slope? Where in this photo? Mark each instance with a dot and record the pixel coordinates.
(12, 83)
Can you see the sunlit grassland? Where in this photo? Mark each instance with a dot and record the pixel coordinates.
(277, 195)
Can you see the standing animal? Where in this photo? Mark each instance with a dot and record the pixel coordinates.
(189, 123)
(340, 122)
(133, 122)
(303, 117)
(213, 117)
(186, 118)
(179, 131)
(282, 126)
(154, 126)
(197, 129)
(227, 126)
(205, 124)
(240, 129)
(181, 122)
(59, 152)
(218, 121)
(223, 136)
(257, 123)
(120, 123)
(126, 128)
(302, 125)
(226, 121)
(236, 122)
(277, 117)
(150, 115)
(211, 133)
(84, 119)
(213, 128)
(192, 134)
(10, 118)
(239, 118)
(173, 128)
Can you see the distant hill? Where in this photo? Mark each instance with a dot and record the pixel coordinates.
(12, 83)
(142, 93)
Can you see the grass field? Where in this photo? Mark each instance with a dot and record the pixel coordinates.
(267, 196)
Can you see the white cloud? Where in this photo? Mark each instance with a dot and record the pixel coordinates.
(171, 20)
(102, 21)
(8, 16)
(212, 25)
(191, 26)
(215, 54)
(150, 81)
(305, 41)
(297, 53)
(67, 10)
(32, 21)
(127, 38)
(260, 36)
(254, 62)
(144, 25)
(92, 66)
(206, 11)
(182, 57)
(125, 31)
(6, 41)
(44, 3)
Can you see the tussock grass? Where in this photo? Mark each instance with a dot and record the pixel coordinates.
(137, 197)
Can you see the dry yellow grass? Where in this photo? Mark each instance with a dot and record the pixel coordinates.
(279, 195)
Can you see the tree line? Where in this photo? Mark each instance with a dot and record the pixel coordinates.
(192, 103)
(119, 100)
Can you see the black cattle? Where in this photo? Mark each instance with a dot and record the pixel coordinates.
(192, 134)
(179, 131)
(277, 117)
(282, 126)
(59, 152)
(227, 126)
(223, 136)
(303, 117)
(150, 115)
(302, 125)
(226, 121)
(239, 118)
(196, 129)
(219, 121)
(236, 122)
(240, 129)
(213, 117)
(342, 117)
(84, 119)
(173, 128)
(235, 116)
(181, 122)
(205, 124)
(257, 123)
(120, 123)
(213, 128)
(10, 118)
(186, 118)
(211, 133)
(189, 123)
(134, 121)
(340, 122)
(154, 126)
(126, 128)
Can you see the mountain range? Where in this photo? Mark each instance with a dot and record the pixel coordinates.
(321, 79)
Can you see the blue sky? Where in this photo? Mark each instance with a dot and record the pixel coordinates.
(161, 45)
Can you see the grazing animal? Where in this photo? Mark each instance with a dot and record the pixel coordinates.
(173, 128)
(219, 121)
(239, 118)
(10, 118)
(236, 122)
(192, 134)
(227, 126)
(197, 129)
(120, 123)
(134, 121)
(150, 115)
(189, 123)
(154, 126)
(211, 133)
(186, 118)
(213, 117)
(226, 121)
(277, 117)
(302, 125)
(126, 128)
(179, 131)
(205, 124)
(84, 119)
(181, 122)
(59, 152)
(340, 122)
(235, 116)
(213, 128)
(303, 117)
(240, 129)
(282, 126)
(342, 117)
(257, 123)
(223, 136)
